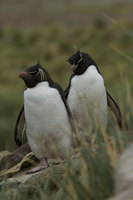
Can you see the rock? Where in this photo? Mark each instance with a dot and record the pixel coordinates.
(124, 195)
(28, 160)
(21, 184)
(9, 160)
(124, 176)
(36, 182)
(14, 182)
(4, 154)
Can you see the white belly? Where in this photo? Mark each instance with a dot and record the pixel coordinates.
(47, 125)
(87, 100)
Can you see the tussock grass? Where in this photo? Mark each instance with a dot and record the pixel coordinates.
(90, 177)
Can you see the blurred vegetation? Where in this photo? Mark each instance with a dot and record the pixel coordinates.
(107, 40)
(52, 45)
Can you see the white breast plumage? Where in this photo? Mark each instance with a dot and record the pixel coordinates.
(87, 100)
(47, 123)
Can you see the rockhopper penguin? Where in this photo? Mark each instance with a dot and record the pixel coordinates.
(87, 96)
(48, 118)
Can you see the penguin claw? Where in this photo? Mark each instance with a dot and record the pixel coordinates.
(37, 169)
(44, 165)
(74, 156)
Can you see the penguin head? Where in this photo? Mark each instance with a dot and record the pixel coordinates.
(33, 75)
(80, 61)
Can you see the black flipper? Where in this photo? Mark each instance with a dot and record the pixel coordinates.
(20, 127)
(75, 137)
(115, 109)
(68, 88)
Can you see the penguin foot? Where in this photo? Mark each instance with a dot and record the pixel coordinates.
(74, 156)
(44, 165)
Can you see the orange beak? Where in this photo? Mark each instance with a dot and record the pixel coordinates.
(73, 67)
(23, 75)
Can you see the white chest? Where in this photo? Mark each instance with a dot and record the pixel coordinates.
(46, 119)
(87, 99)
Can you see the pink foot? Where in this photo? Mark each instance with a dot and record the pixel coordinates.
(44, 165)
(74, 156)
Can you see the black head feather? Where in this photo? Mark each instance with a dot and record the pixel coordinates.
(34, 69)
(75, 58)
(35, 74)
